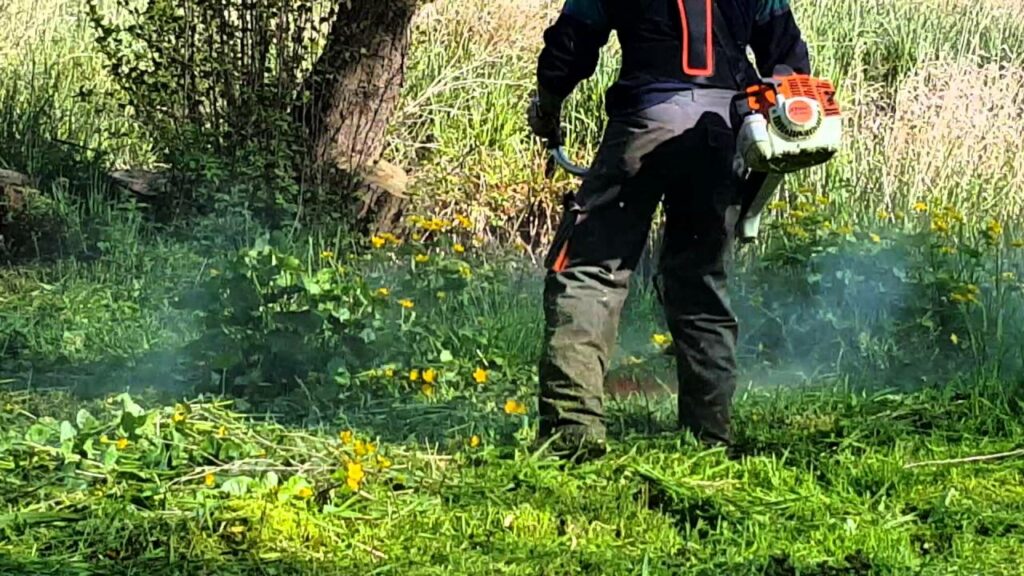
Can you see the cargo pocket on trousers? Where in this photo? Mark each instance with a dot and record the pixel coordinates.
(558, 255)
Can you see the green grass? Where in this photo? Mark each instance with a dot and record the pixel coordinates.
(824, 486)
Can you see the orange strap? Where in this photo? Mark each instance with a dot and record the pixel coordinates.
(563, 258)
(709, 49)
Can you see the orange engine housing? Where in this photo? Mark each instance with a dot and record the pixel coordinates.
(763, 97)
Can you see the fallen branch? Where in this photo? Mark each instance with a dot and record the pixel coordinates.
(141, 182)
(968, 460)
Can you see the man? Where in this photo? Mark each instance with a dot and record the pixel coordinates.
(669, 139)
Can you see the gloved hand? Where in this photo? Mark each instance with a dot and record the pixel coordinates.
(545, 117)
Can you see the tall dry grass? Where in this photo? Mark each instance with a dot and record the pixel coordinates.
(931, 89)
(957, 142)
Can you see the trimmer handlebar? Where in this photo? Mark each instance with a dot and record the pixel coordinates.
(558, 157)
(755, 194)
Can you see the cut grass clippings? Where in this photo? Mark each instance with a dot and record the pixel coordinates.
(820, 484)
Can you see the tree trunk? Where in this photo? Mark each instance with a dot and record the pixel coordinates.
(353, 91)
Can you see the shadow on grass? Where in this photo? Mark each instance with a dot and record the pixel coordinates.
(241, 565)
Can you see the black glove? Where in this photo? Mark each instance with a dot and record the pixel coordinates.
(545, 117)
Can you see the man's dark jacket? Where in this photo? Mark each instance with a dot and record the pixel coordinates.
(669, 45)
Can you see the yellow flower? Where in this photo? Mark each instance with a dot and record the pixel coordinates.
(459, 248)
(422, 258)
(434, 224)
(414, 375)
(875, 238)
(515, 407)
(354, 475)
(428, 389)
(661, 339)
(474, 441)
(966, 293)
(305, 493)
(994, 230)
(797, 232)
(122, 443)
(378, 242)
(940, 225)
(920, 207)
(346, 437)
(429, 375)
(209, 480)
(383, 292)
(327, 254)
(406, 303)
(364, 448)
(954, 339)
(480, 375)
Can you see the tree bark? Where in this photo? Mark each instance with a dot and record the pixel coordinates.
(353, 90)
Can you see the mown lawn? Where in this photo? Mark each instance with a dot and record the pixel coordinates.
(823, 482)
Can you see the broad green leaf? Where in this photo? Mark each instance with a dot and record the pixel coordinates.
(237, 486)
(292, 487)
(41, 432)
(129, 405)
(67, 431)
(109, 457)
(291, 263)
(312, 286)
(85, 420)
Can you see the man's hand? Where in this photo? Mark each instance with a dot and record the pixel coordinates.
(545, 117)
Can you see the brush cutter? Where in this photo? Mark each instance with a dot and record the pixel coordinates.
(783, 124)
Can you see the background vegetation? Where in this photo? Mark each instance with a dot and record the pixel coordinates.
(308, 399)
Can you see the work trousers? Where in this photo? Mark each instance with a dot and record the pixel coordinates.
(680, 153)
